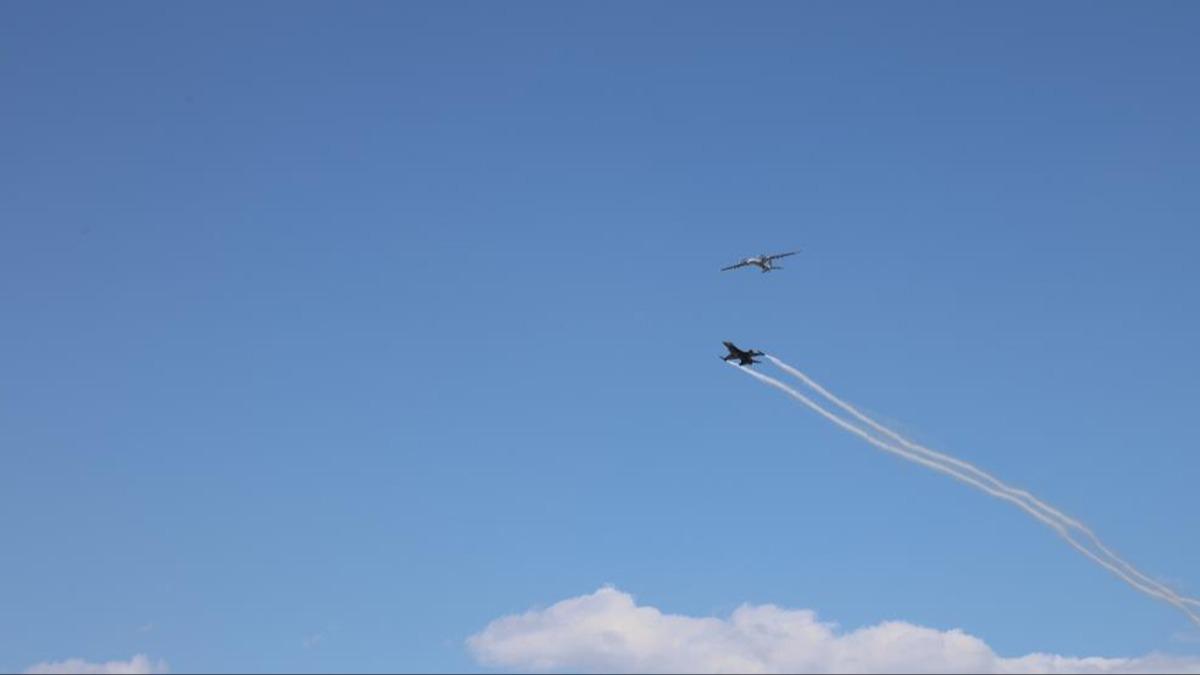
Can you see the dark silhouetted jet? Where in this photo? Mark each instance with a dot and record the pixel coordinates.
(744, 358)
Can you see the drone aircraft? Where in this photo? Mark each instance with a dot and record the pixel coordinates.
(764, 262)
(744, 357)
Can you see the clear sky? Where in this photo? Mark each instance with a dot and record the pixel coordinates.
(331, 333)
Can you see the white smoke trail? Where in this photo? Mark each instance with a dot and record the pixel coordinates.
(983, 475)
(969, 480)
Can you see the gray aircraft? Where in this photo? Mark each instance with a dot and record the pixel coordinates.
(764, 262)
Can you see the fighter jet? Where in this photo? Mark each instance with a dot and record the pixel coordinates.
(764, 262)
(744, 358)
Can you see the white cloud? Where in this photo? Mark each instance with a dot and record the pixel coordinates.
(138, 665)
(608, 632)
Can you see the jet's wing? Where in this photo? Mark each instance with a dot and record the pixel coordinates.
(782, 255)
(734, 267)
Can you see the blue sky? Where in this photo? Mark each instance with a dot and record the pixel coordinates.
(333, 333)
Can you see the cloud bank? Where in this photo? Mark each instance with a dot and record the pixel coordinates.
(607, 631)
(140, 664)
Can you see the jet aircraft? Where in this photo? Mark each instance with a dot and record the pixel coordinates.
(764, 262)
(744, 357)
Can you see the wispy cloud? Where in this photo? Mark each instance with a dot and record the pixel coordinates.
(140, 664)
(607, 631)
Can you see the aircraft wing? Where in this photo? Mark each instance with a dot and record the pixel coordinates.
(782, 255)
(734, 267)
